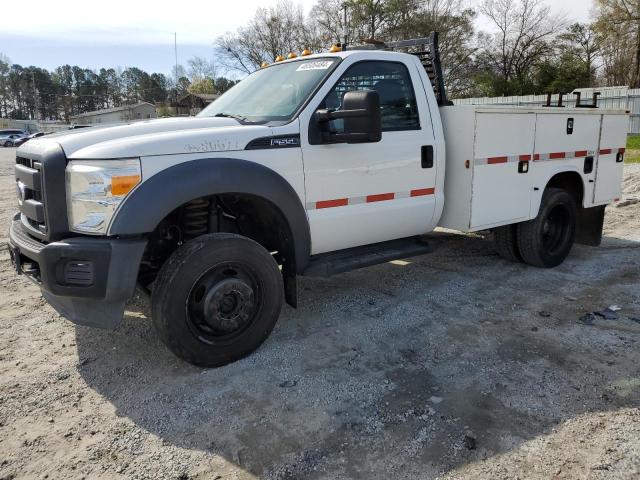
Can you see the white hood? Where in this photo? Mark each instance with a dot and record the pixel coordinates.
(155, 137)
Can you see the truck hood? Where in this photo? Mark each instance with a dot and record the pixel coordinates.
(168, 136)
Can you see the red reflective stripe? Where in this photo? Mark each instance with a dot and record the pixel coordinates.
(536, 157)
(381, 197)
(605, 151)
(423, 191)
(557, 155)
(622, 150)
(340, 202)
(581, 153)
(494, 160)
(525, 158)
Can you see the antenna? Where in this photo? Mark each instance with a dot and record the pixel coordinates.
(175, 49)
(345, 33)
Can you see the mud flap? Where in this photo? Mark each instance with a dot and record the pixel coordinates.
(589, 226)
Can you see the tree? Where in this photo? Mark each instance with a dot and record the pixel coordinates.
(271, 32)
(563, 73)
(200, 68)
(581, 42)
(455, 24)
(204, 85)
(524, 30)
(618, 26)
(5, 68)
(328, 19)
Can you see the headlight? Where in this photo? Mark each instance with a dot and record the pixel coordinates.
(95, 189)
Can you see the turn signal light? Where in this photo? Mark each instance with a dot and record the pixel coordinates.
(124, 184)
(305, 52)
(279, 58)
(292, 55)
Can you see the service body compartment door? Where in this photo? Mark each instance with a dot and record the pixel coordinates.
(501, 195)
(610, 165)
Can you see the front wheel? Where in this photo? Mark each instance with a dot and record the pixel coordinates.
(216, 299)
(8, 143)
(547, 240)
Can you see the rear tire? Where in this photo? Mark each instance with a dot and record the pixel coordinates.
(506, 240)
(546, 240)
(216, 299)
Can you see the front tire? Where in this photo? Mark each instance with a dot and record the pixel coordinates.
(216, 299)
(546, 240)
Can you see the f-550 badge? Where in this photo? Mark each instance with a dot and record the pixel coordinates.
(285, 142)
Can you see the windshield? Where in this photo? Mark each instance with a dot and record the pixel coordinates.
(272, 94)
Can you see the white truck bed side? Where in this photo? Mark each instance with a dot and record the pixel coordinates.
(499, 160)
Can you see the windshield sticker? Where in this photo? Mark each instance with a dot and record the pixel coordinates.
(321, 65)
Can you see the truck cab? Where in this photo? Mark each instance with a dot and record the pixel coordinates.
(315, 165)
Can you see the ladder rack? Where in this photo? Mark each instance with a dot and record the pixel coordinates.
(426, 49)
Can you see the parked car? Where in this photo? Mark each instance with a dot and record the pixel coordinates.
(8, 136)
(21, 140)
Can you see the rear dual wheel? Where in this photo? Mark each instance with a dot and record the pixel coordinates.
(545, 241)
(216, 299)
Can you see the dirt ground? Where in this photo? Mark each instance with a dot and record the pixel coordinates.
(452, 365)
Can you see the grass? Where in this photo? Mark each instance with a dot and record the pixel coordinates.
(632, 155)
(633, 142)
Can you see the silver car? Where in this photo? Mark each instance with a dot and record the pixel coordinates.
(9, 135)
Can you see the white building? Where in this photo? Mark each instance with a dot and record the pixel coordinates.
(125, 113)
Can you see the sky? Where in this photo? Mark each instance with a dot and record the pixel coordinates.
(140, 33)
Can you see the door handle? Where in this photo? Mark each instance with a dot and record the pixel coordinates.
(427, 156)
(588, 165)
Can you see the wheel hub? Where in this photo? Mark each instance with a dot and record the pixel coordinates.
(228, 305)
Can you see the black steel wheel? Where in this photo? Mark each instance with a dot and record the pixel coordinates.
(223, 302)
(547, 240)
(216, 299)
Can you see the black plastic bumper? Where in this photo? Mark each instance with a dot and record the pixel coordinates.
(87, 280)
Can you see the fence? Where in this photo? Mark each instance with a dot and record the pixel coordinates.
(33, 125)
(619, 98)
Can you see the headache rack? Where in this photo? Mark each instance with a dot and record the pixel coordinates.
(426, 49)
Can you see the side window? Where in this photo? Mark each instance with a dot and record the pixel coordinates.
(392, 82)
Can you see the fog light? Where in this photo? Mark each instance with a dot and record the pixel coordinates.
(78, 273)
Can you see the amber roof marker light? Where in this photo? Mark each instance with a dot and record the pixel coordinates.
(305, 52)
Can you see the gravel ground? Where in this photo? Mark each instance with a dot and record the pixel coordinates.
(452, 365)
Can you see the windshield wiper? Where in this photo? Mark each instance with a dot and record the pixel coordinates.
(240, 118)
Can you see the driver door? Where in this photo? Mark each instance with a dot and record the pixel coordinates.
(364, 193)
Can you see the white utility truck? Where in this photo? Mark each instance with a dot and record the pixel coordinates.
(313, 166)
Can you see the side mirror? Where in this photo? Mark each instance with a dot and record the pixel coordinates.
(361, 115)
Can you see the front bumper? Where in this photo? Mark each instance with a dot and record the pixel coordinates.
(87, 280)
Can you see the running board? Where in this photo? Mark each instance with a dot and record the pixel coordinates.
(327, 264)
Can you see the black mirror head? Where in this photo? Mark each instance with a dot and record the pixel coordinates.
(369, 124)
